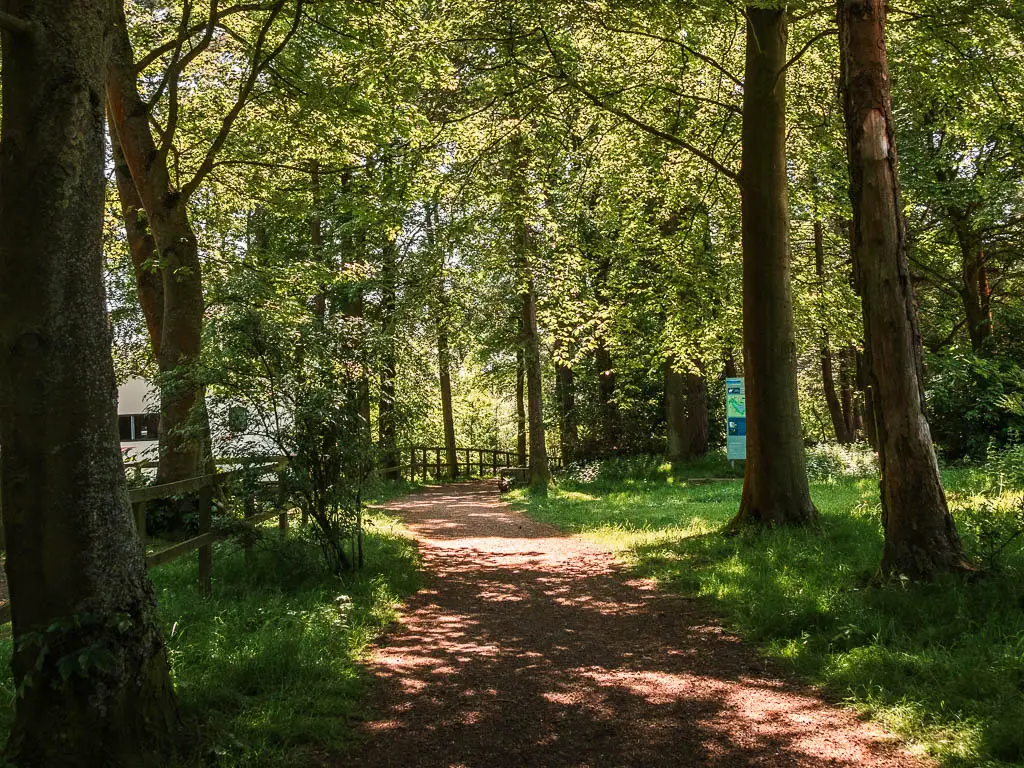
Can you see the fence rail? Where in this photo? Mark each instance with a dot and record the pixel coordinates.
(425, 461)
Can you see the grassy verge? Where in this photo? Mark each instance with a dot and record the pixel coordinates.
(940, 664)
(268, 666)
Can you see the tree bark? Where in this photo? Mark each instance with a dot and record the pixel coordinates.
(609, 427)
(775, 489)
(90, 664)
(568, 426)
(675, 414)
(975, 292)
(540, 473)
(521, 407)
(142, 248)
(386, 416)
(847, 388)
(835, 406)
(920, 535)
(447, 411)
(184, 423)
(696, 414)
(522, 248)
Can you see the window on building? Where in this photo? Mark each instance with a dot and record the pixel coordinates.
(138, 427)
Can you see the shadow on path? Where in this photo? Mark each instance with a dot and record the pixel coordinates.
(530, 648)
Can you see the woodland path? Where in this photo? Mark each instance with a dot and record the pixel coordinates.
(531, 648)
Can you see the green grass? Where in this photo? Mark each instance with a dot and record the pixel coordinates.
(940, 664)
(268, 668)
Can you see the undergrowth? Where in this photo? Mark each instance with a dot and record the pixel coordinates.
(267, 669)
(941, 664)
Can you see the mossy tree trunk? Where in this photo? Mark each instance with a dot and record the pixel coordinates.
(90, 665)
(775, 488)
(920, 535)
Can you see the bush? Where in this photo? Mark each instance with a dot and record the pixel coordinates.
(972, 402)
(829, 463)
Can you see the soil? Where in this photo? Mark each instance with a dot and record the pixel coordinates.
(531, 648)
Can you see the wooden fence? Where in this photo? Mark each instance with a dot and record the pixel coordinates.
(484, 461)
(206, 487)
(425, 462)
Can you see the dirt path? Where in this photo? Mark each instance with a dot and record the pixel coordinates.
(529, 648)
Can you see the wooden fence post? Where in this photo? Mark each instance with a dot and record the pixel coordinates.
(426, 468)
(437, 463)
(206, 553)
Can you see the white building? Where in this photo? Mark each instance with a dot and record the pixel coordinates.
(138, 418)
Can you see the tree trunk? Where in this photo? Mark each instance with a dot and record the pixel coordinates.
(696, 414)
(540, 473)
(447, 412)
(609, 427)
(90, 667)
(775, 489)
(184, 423)
(522, 248)
(975, 292)
(568, 428)
(920, 535)
(675, 414)
(521, 407)
(828, 381)
(847, 387)
(386, 421)
(141, 247)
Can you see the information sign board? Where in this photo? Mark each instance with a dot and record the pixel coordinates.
(736, 419)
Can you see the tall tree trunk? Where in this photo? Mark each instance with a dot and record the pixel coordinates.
(828, 381)
(568, 427)
(975, 292)
(80, 596)
(847, 388)
(920, 535)
(522, 248)
(316, 236)
(521, 407)
(608, 429)
(696, 414)
(447, 411)
(540, 473)
(184, 423)
(443, 350)
(386, 415)
(141, 247)
(775, 489)
(675, 414)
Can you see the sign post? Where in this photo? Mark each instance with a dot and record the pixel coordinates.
(736, 419)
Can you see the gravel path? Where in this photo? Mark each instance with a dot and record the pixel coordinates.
(529, 648)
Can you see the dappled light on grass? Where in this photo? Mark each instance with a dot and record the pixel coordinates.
(942, 663)
(531, 648)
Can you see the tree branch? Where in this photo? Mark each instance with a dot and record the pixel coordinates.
(806, 47)
(245, 91)
(170, 45)
(611, 109)
(692, 51)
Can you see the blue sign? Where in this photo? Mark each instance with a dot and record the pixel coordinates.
(736, 419)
